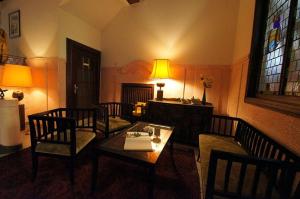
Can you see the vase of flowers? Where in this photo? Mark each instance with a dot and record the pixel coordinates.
(207, 83)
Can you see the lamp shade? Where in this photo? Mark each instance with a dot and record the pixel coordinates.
(161, 69)
(16, 76)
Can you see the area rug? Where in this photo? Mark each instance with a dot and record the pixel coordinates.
(116, 179)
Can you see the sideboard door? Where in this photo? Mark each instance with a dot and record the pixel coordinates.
(188, 119)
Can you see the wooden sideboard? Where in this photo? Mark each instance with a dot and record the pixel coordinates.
(188, 119)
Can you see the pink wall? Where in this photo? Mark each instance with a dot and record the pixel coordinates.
(281, 127)
(139, 72)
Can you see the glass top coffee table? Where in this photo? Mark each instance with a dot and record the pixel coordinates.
(114, 147)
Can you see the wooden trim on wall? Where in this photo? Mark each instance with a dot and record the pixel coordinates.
(269, 102)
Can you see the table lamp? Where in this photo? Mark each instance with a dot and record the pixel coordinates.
(160, 71)
(17, 76)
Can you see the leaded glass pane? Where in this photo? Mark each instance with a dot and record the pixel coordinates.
(293, 76)
(274, 46)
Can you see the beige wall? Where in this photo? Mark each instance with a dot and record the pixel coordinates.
(243, 37)
(197, 32)
(38, 27)
(283, 128)
(74, 28)
(196, 35)
(44, 29)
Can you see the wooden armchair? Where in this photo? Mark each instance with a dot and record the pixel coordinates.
(113, 117)
(61, 133)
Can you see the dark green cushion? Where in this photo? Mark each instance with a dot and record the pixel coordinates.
(83, 137)
(115, 123)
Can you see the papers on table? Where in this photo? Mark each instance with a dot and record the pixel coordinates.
(138, 141)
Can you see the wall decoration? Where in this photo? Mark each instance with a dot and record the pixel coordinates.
(207, 83)
(3, 46)
(275, 33)
(14, 24)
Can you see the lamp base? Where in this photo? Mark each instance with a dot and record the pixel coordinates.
(160, 95)
(18, 95)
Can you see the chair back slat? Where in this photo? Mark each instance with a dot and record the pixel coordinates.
(49, 126)
(241, 178)
(257, 173)
(251, 139)
(223, 125)
(280, 176)
(42, 129)
(227, 175)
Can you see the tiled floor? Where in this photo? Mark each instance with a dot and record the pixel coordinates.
(25, 144)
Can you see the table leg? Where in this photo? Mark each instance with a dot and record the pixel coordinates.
(172, 151)
(94, 173)
(151, 181)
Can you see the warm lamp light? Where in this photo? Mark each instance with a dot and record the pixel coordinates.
(161, 70)
(16, 76)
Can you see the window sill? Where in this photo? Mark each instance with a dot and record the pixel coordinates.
(282, 104)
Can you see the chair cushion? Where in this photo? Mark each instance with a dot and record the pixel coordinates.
(222, 143)
(115, 124)
(83, 137)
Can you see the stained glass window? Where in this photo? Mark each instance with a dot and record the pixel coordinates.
(274, 46)
(293, 76)
(274, 67)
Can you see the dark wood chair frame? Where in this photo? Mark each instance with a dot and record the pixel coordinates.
(277, 162)
(113, 109)
(44, 125)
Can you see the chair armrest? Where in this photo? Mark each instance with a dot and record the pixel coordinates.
(102, 115)
(84, 117)
(56, 130)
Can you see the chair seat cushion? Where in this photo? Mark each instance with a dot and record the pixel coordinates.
(227, 144)
(115, 124)
(210, 142)
(83, 137)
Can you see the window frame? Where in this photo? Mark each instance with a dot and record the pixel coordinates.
(282, 103)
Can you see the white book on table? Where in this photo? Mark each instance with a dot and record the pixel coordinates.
(140, 143)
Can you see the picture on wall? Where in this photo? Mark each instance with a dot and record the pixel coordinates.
(14, 24)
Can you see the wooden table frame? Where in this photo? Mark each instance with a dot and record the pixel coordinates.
(147, 164)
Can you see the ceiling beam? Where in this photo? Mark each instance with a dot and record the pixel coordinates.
(133, 1)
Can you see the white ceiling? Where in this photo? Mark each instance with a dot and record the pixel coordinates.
(97, 13)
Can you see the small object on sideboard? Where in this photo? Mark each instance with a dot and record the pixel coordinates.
(2, 93)
(18, 95)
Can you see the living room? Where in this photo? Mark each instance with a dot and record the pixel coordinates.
(202, 40)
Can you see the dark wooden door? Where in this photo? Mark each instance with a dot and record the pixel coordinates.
(83, 75)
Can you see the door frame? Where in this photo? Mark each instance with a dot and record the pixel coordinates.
(70, 44)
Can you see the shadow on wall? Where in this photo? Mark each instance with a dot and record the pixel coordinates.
(140, 71)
